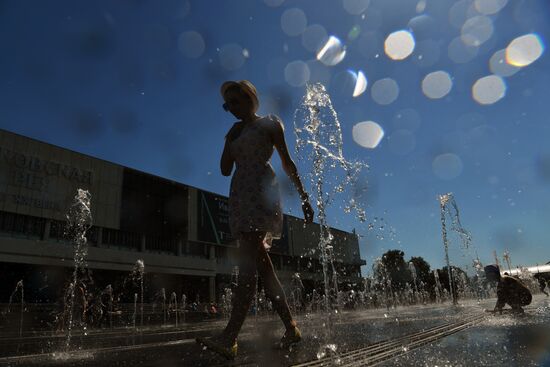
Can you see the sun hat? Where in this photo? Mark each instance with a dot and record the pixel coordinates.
(246, 87)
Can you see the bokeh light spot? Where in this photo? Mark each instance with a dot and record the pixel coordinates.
(489, 89)
(360, 84)
(447, 166)
(297, 73)
(399, 45)
(191, 44)
(476, 30)
(367, 134)
(499, 66)
(332, 53)
(524, 50)
(385, 91)
(489, 7)
(231, 56)
(314, 37)
(437, 84)
(293, 22)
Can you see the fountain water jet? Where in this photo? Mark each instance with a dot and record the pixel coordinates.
(79, 220)
(19, 285)
(448, 208)
(319, 141)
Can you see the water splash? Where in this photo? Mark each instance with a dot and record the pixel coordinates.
(319, 144)
(449, 210)
(139, 272)
(18, 286)
(79, 220)
(134, 316)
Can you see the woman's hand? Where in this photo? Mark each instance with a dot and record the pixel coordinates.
(308, 211)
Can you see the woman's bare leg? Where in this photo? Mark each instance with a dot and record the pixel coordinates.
(273, 288)
(246, 289)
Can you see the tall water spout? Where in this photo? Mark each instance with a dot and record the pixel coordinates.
(319, 144)
(79, 220)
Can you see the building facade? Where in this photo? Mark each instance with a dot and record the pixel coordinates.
(179, 231)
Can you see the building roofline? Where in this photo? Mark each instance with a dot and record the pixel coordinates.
(138, 170)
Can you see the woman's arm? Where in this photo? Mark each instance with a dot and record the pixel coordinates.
(288, 164)
(226, 162)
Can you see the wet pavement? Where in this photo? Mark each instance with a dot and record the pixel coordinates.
(488, 340)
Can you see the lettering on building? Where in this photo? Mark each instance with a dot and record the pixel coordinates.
(33, 172)
(40, 203)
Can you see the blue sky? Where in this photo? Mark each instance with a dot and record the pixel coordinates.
(136, 82)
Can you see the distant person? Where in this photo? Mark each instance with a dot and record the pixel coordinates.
(255, 213)
(542, 282)
(510, 290)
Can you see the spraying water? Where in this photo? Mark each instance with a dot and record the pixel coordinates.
(174, 305)
(139, 272)
(449, 210)
(79, 220)
(319, 144)
(18, 286)
(135, 310)
(183, 306)
(412, 269)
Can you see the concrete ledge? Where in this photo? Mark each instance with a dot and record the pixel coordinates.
(19, 250)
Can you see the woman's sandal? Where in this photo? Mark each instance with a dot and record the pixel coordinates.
(290, 338)
(228, 353)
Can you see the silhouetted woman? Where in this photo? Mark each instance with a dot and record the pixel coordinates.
(255, 215)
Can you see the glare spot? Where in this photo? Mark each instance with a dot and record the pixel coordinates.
(399, 45)
(293, 22)
(460, 52)
(246, 53)
(332, 52)
(314, 37)
(297, 73)
(191, 44)
(344, 82)
(274, 3)
(489, 7)
(476, 30)
(360, 84)
(437, 84)
(385, 91)
(402, 142)
(231, 56)
(354, 32)
(406, 119)
(367, 134)
(356, 7)
(420, 6)
(489, 89)
(524, 50)
(499, 66)
(447, 166)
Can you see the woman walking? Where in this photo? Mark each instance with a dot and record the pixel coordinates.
(255, 215)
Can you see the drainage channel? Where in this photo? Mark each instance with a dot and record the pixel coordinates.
(383, 351)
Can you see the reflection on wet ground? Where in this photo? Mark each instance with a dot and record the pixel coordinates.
(488, 340)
